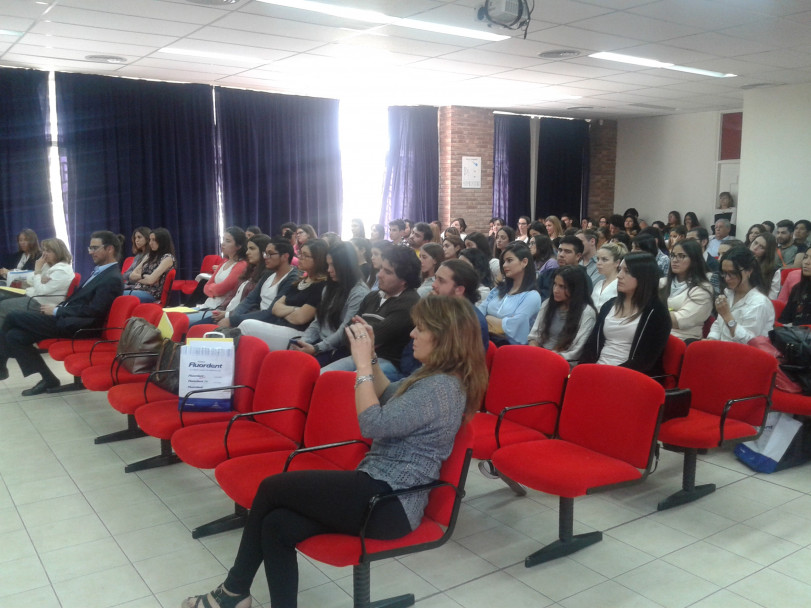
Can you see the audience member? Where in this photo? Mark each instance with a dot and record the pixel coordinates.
(616, 223)
(304, 232)
(26, 256)
(787, 252)
(147, 279)
(460, 225)
(140, 249)
(397, 232)
(543, 253)
(726, 211)
(378, 249)
(452, 245)
(608, 257)
(554, 229)
(687, 291)
(357, 228)
(768, 225)
(377, 233)
(588, 261)
(431, 256)
(802, 229)
(764, 248)
(722, 228)
(754, 231)
(522, 231)
(481, 265)
(504, 237)
(691, 221)
(630, 225)
(436, 231)
(421, 233)
(701, 235)
(252, 231)
(226, 278)
(364, 250)
(798, 308)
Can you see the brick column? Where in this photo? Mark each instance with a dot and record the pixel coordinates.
(603, 138)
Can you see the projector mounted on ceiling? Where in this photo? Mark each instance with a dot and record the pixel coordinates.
(511, 14)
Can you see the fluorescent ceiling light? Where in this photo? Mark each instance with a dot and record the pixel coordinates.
(653, 63)
(10, 33)
(378, 18)
(212, 55)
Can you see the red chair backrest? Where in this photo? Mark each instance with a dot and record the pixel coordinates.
(198, 331)
(490, 354)
(619, 419)
(180, 325)
(127, 263)
(286, 379)
(77, 278)
(333, 418)
(527, 374)
(671, 361)
(151, 313)
(440, 502)
(250, 354)
(209, 262)
(120, 311)
(167, 285)
(717, 371)
(779, 307)
(784, 272)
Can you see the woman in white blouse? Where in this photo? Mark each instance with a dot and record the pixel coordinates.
(609, 257)
(48, 285)
(743, 311)
(687, 291)
(764, 248)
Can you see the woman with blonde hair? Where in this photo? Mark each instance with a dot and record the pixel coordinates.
(553, 227)
(412, 424)
(609, 257)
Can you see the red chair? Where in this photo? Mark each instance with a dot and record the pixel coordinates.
(180, 325)
(604, 439)
(437, 526)
(779, 307)
(784, 272)
(162, 418)
(490, 354)
(83, 341)
(77, 278)
(127, 264)
(332, 442)
(672, 358)
(791, 403)
(167, 286)
(275, 422)
(128, 397)
(521, 404)
(187, 286)
(731, 386)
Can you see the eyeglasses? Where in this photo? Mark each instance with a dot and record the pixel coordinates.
(730, 273)
(94, 248)
(304, 256)
(269, 255)
(678, 256)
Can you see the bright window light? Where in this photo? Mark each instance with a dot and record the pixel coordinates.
(364, 133)
(54, 169)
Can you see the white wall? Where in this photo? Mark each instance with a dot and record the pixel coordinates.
(776, 155)
(668, 162)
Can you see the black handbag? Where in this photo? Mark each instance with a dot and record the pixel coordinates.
(795, 344)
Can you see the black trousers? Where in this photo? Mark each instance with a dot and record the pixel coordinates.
(21, 330)
(291, 507)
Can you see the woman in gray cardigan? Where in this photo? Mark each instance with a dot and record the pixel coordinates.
(411, 437)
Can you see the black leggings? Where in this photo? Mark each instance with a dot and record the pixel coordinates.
(291, 507)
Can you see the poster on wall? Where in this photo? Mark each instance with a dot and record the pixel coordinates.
(471, 172)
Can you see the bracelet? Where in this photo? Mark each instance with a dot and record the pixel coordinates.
(361, 379)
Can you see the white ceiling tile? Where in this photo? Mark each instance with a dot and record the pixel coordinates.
(57, 54)
(90, 46)
(581, 67)
(280, 27)
(423, 48)
(637, 26)
(97, 33)
(213, 69)
(15, 24)
(543, 78)
(489, 58)
(780, 59)
(20, 8)
(699, 14)
(99, 19)
(610, 86)
(668, 54)
(779, 8)
(778, 33)
(461, 67)
(722, 45)
(563, 12)
(183, 12)
(618, 5)
(519, 46)
(584, 40)
(648, 78)
(254, 39)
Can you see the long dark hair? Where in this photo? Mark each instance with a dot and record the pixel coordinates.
(510, 238)
(522, 252)
(480, 240)
(254, 272)
(696, 273)
(743, 259)
(693, 220)
(481, 264)
(574, 277)
(165, 245)
(544, 249)
(768, 264)
(643, 267)
(240, 240)
(347, 275)
(144, 231)
(318, 250)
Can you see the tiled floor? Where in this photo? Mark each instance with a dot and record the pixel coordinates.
(77, 532)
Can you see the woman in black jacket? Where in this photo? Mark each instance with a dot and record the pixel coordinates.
(632, 329)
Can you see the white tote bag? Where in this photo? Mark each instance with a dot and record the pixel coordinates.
(205, 364)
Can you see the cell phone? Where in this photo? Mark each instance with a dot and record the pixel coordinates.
(294, 340)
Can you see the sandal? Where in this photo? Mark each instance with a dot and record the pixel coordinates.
(219, 598)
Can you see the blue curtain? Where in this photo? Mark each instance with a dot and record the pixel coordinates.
(411, 187)
(25, 200)
(563, 168)
(138, 153)
(511, 167)
(281, 160)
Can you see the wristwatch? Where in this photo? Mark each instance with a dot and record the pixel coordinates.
(732, 323)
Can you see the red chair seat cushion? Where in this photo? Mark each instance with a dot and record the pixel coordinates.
(97, 377)
(240, 477)
(126, 398)
(483, 426)
(202, 445)
(701, 430)
(76, 363)
(577, 469)
(162, 418)
(341, 550)
(791, 403)
(61, 350)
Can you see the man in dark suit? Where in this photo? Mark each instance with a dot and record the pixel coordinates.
(86, 308)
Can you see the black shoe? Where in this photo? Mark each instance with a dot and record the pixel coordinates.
(40, 387)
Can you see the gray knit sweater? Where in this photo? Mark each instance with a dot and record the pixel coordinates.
(412, 435)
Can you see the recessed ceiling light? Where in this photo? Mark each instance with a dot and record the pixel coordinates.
(379, 18)
(650, 106)
(758, 85)
(559, 54)
(10, 33)
(212, 55)
(581, 108)
(106, 58)
(653, 63)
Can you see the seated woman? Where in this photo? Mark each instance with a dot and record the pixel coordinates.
(452, 244)
(411, 437)
(146, 279)
(764, 248)
(687, 291)
(292, 313)
(798, 308)
(140, 249)
(566, 319)
(340, 301)
(377, 233)
(754, 231)
(481, 264)
(511, 308)
(632, 329)
(48, 285)
(27, 254)
(504, 236)
(304, 233)
(744, 312)
(226, 278)
(431, 256)
(364, 248)
(249, 279)
(378, 247)
(609, 257)
(543, 253)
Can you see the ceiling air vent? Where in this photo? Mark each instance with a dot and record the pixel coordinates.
(106, 58)
(559, 54)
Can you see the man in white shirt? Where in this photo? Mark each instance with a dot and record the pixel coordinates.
(275, 284)
(722, 229)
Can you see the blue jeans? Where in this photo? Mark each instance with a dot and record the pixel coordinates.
(144, 296)
(348, 365)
